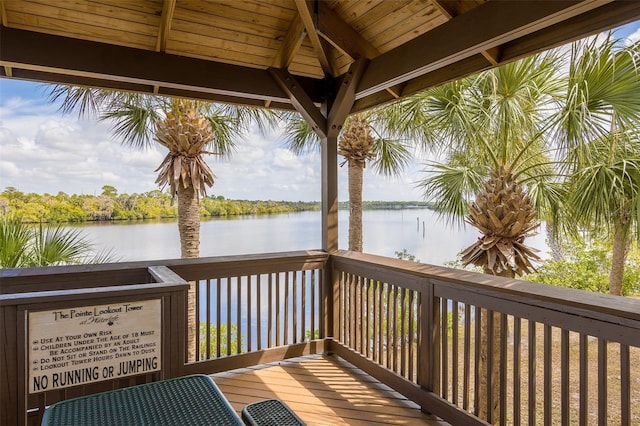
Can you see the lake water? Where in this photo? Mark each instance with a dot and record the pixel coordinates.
(419, 231)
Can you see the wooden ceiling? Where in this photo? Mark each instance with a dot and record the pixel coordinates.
(242, 50)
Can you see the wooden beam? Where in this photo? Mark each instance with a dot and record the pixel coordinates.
(347, 40)
(435, 78)
(466, 36)
(168, 7)
(342, 36)
(290, 44)
(304, 10)
(300, 100)
(57, 55)
(449, 11)
(604, 18)
(345, 97)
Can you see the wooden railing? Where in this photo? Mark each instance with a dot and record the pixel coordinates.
(563, 356)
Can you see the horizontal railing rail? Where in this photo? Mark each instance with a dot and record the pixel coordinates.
(553, 355)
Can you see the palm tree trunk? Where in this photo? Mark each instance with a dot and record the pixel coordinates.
(554, 242)
(188, 222)
(619, 256)
(189, 228)
(356, 169)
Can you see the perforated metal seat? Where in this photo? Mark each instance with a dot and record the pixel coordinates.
(270, 412)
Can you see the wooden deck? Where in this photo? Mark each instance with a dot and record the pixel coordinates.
(322, 390)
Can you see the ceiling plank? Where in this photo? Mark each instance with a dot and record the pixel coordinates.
(62, 55)
(464, 36)
(300, 100)
(168, 7)
(304, 10)
(290, 44)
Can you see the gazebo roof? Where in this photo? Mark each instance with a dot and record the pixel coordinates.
(236, 50)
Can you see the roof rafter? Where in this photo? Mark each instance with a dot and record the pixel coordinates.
(304, 10)
(465, 36)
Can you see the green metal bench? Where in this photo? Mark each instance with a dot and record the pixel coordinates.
(189, 400)
(270, 412)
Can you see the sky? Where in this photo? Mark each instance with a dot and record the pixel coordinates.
(44, 151)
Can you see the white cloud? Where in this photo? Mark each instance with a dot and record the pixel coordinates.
(632, 38)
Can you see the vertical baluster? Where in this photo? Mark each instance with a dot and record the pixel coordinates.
(342, 309)
(466, 370)
(303, 309)
(259, 310)
(602, 382)
(503, 368)
(490, 354)
(380, 332)
(277, 310)
(517, 337)
(584, 379)
(388, 330)
(412, 340)
(564, 376)
(547, 374)
(270, 311)
(532, 373)
(352, 312)
(363, 315)
(454, 352)
(286, 308)
(218, 316)
(249, 331)
(476, 362)
(444, 344)
(396, 327)
(238, 314)
(208, 327)
(368, 317)
(313, 304)
(625, 386)
(196, 332)
(403, 332)
(229, 316)
(294, 308)
(358, 314)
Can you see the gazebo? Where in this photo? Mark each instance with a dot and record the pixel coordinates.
(407, 325)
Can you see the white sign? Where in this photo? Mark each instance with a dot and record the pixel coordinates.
(88, 344)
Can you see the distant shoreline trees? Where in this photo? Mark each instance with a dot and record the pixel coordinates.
(112, 206)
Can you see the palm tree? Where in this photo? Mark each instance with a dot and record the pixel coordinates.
(493, 147)
(359, 147)
(189, 129)
(23, 246)
(599, 130)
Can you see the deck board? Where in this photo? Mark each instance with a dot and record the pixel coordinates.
(322, 390)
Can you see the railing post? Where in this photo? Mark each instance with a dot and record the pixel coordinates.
(12, 402)
(429, 366)
(329, 299)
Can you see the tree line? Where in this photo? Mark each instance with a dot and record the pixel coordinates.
(112, 206)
